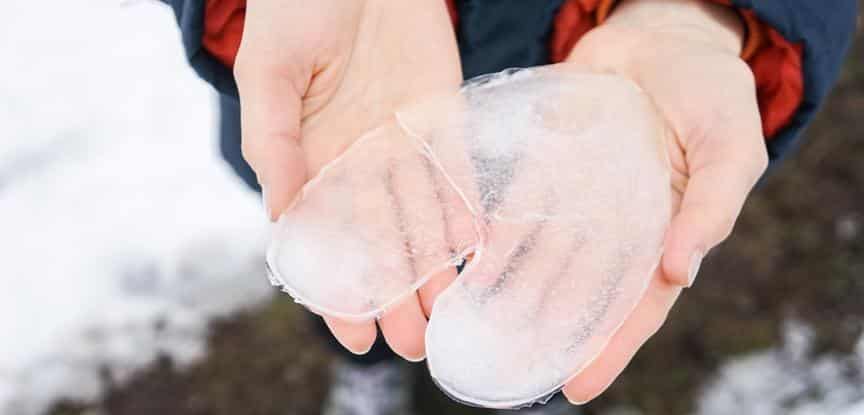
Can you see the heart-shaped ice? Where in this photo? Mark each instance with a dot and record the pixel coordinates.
(557, 180)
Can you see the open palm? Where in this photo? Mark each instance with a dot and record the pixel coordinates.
(312, 78)
(684, 54)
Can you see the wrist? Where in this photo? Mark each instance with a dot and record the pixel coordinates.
(700, 21)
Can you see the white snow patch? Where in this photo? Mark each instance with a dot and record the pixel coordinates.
(121, 230)
(785, 381)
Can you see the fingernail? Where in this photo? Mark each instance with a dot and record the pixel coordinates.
(416, 359)
(695, 264)
(577, 402)
(359, 352)
(356, 350)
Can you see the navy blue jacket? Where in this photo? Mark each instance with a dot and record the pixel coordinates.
(498, 34)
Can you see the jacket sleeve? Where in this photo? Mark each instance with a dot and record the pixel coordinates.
(190, 15)
(795, 47)
(823, 30)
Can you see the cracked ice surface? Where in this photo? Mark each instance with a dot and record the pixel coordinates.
(555, 178)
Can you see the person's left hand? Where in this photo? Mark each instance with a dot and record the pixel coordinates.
(685, 55)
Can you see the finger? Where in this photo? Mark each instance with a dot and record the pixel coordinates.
(358, 338)
(441, 225)
(424, 215)
(429, 292)
(645, 320)
(404, 327)
(434, 287)
(270, 112)
(713, 198)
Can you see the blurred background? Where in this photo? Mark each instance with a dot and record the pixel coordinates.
(131, 257)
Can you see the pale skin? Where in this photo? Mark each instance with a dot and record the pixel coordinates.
(685, 55)
(309, 88)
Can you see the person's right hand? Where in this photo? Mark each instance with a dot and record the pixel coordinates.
(314, 76)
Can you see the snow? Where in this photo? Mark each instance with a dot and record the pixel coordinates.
(122, 230)
(784, 381)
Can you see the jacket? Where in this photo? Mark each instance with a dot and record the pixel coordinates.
(794, 47)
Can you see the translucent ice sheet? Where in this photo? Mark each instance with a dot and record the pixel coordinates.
(555, 178)
(570, 185)
(371, 228)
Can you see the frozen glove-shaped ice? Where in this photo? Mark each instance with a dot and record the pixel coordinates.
(569, 183)
(556, 179)
(370, 228)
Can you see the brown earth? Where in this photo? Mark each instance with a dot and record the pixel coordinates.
(798, 251)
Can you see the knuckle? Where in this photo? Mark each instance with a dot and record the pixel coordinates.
(725, 227)
(247, 149)
(757, 163)
(241, 65)
(727, 231)
(250, 64)
(761, 162)
(250, 152)
(740, 70)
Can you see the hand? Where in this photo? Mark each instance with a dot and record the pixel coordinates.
(684, 54)
(312, 77)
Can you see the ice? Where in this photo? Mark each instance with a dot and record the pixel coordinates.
(570, 183)
(555, 178)
(370, 229)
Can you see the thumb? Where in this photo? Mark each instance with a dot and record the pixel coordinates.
(714, 196)
(270, 114)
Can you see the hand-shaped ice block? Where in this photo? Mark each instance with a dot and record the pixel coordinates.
(370, 228)
(555, 178)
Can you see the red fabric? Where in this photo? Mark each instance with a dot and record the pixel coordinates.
(223, 29)
(776, 62)
(778, 69)
(454, 15)
(574, 19)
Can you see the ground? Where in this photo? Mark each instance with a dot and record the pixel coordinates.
(797, 254)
